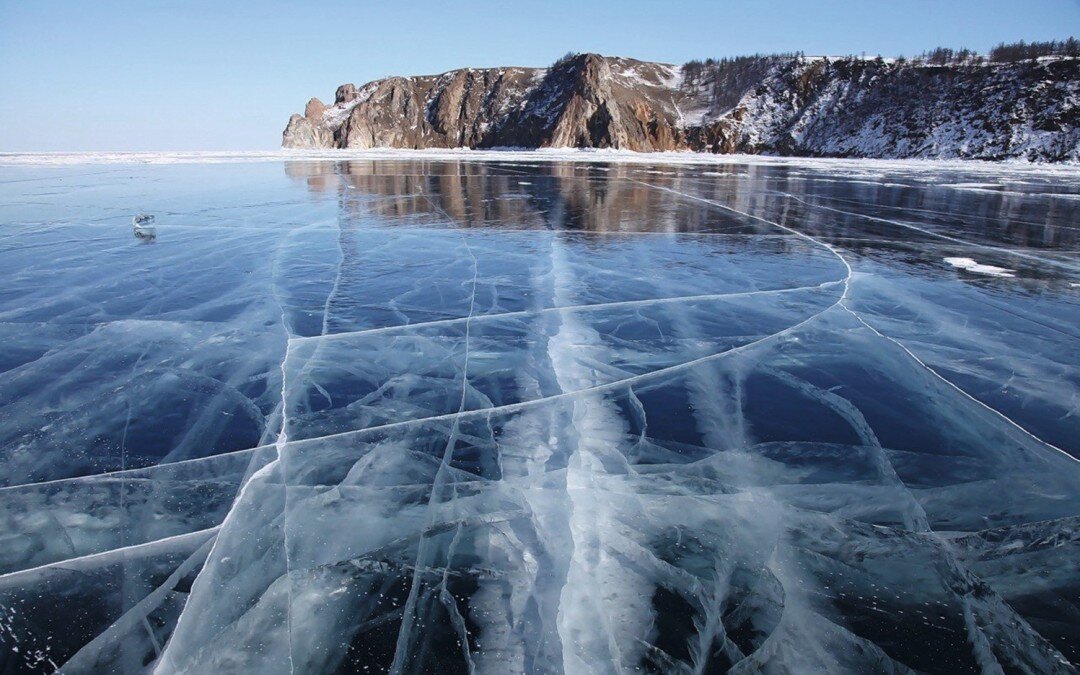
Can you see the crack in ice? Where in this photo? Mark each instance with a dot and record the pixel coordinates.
(976, 637)
(932, 233)
(554, 310)
(441, 476)
(842, 301)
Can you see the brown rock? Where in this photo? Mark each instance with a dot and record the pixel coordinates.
(314, 110)
(302, 132)
(346, 93)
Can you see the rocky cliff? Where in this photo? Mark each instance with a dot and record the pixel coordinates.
(806, 106)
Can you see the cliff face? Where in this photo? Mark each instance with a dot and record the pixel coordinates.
(776, 105)
(854, 108)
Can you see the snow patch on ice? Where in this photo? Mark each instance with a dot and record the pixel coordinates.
(970, 265)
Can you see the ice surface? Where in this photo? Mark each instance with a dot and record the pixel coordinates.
(509, 412)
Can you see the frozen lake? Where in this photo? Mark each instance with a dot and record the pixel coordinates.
(432, 414)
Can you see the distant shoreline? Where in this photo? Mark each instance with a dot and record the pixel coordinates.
(592, 156)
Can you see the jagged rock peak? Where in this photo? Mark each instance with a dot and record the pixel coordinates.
(346, 93)
(314, 110)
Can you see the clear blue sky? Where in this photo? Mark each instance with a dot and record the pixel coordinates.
(226, 74)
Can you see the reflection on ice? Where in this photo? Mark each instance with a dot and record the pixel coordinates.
(488, 416)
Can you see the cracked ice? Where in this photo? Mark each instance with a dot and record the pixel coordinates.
(410, 416)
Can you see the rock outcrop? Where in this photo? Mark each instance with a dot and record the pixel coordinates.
(805, 106)
(314, 110)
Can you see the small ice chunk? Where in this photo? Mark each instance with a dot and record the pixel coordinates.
(143, 225)
(978, 268)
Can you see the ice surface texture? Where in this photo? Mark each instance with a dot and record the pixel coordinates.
(450, 416)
